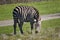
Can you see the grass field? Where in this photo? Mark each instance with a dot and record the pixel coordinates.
(44, 7)
(50, 30)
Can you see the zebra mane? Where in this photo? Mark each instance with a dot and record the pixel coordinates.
(36, 12)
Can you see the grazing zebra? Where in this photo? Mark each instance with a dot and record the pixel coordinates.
(23, 14)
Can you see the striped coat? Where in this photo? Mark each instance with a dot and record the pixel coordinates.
(25, 14)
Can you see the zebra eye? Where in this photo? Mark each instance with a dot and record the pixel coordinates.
(34, 20)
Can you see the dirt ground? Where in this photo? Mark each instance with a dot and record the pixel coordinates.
(43, 17)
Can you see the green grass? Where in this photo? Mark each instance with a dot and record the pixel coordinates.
(9, 29)
(44, 7)
(50, 29)
(51, 23)
(45, 24)
(6, 29)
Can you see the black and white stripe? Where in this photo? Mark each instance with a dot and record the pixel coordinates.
(25, 14)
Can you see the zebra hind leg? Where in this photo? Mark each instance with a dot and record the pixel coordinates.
(15, 23)
(20, 27)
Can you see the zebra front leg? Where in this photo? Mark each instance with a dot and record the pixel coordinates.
(31, 23)
(20, 27)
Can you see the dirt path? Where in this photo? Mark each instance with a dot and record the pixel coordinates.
(44, 17)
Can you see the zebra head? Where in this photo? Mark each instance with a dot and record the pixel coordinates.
(37, 25)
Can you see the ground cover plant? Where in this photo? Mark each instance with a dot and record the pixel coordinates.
(50, 30)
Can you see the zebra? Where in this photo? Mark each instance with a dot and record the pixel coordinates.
(23, 14)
